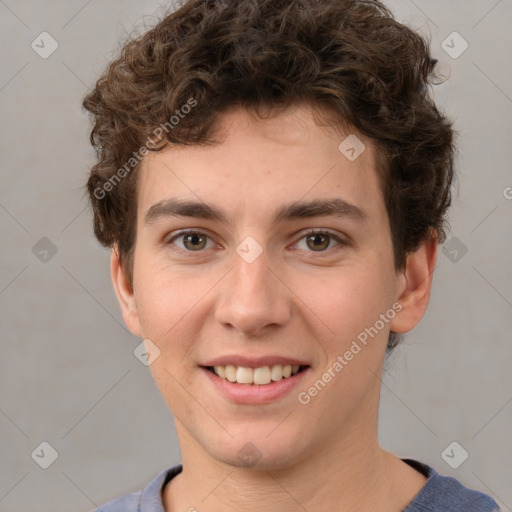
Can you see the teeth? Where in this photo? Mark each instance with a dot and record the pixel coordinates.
(277, 372)
(230, 372)
(244, 375)
(260, 376)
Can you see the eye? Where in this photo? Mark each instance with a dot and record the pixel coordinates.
(191, 241)
(318, 241)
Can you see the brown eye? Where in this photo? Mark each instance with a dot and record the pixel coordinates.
(194, 241)
(318, 241)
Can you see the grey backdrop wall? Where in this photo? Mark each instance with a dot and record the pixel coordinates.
(68, 374)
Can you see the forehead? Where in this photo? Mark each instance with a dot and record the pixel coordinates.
(258, 163)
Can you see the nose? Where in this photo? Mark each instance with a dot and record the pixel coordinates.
(253, 300)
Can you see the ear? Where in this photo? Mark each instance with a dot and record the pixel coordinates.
(125, 295)
(415, 283)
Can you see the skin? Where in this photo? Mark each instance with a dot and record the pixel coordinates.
(293, 300)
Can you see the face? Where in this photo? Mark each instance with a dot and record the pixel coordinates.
(268, 252)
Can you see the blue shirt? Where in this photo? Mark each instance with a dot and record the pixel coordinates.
(439, 494)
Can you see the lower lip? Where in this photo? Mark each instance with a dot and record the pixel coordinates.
(253, 393)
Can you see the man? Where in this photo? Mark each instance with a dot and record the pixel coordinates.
(273, 179)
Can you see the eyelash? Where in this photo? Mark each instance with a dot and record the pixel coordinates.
(327, 252)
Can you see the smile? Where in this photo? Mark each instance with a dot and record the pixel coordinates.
(260, 376)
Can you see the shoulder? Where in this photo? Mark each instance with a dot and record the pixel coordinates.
(446, 494)
(145, 500)
(127, 503)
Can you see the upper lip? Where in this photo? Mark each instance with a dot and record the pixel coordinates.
(253, 362)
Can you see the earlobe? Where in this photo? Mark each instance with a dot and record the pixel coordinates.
(125, 295)
(415, 286)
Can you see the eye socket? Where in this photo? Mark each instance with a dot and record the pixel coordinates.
(313, 241)
(192, 241)
(318, 241)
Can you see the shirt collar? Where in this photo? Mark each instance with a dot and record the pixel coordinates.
(151, 496)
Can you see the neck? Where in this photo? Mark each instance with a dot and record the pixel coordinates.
(353, 475)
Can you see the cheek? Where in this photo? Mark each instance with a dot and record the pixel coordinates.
(350, 299)
(173, 381)
(163, 306)
(167, 299)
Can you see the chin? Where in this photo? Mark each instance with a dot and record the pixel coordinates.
(262, 452)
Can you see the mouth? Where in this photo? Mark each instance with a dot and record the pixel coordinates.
(255, 383)
(260, 376)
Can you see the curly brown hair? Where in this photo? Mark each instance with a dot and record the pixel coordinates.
(350, 57)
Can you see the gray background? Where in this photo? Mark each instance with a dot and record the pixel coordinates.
(68, 373)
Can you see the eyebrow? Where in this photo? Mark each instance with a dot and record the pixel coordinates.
(320, 208)
(295, 210)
